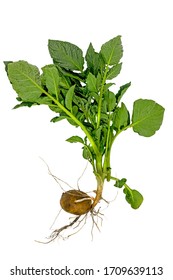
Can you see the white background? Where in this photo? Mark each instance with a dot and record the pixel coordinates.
(30, 197)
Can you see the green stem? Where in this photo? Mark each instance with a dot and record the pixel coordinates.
(106, 165)
(99, 165)
(119, 131)
(114, 178)
(109, 143)
(125, 185)
(100, 183)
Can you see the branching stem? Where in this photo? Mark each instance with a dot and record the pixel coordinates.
(90, 138)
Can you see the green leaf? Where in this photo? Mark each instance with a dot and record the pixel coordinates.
(6, 63)
(44, 100)
(25, 79)
(147, 117)
(133, 197)
(95, 96)
(52, 79)
(65, 82)
(121, 117)
(110, 100)
(107, 86)
(91, 82)
(69, 97)
(114, 71)
(96, 135)
(87, 153)
(94, 60)
(66, 54)
(57, 119)
(75, 110)
(55, 108)
(120, 183)
(122, 91)
(112, 51)
(99, 81)
(75, 139)
(24, 104)
(72, 122)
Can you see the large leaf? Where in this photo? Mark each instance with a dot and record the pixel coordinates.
(112, 51)
(67, 55)
(25, 79)
(147, 117)
(52, 79)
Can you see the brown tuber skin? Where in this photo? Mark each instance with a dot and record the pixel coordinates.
(76, 202)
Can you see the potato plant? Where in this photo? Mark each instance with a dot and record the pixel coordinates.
(78, 89)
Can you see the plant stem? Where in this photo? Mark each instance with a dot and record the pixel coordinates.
(119, 131)
(109, 143)
(125, 185)
(100, 183)
(106, 165)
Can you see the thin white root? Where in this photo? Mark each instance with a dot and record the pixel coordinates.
(76, 224)
(55, 219)
(56, 233)
(81, 176)
(58, 180)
